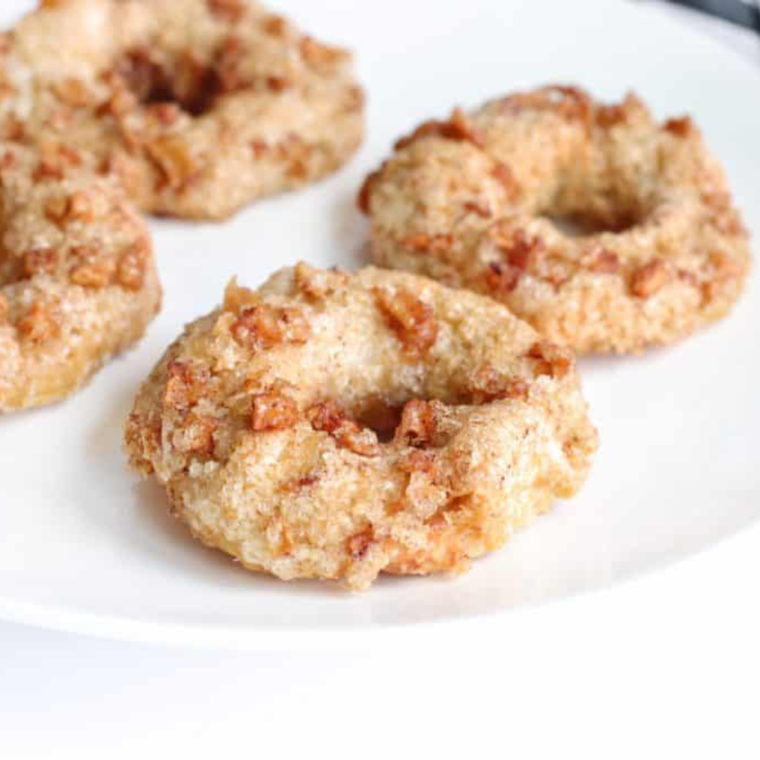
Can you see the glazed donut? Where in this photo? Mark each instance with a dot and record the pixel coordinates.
(77, 278)
(200, 106)
(484, 201)
(336, 426)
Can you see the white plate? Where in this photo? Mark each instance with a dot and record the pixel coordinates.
(85, 546)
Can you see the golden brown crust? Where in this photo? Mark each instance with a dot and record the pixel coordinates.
(337, 452)
(198, 106)
(470, 201)
(77, 278)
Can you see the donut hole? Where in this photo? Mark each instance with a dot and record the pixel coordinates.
(581, 225)
(381, 416)
(391, 417)
(187, 81)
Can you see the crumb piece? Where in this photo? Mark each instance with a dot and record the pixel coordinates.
(40, 261)
(410, 318)
(649, 278)
(551, 359)
(488, 385)
(418, 424)
(273, 411)
(424, 243)
(230, 10)
(39, 325)
(681, 127)
(264, 326)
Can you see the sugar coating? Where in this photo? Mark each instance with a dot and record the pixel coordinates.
(470, 202)
(338, 426)
(78, 282)
(199, 106)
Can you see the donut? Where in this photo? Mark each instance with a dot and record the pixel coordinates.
(604, 229)
(199, 106)
(77, 278)
(336, 426)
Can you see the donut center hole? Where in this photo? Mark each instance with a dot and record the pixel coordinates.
(580, 225)
(383, 417)
(186, 82)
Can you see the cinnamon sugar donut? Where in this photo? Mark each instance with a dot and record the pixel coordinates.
(474, 202)
(336, 426)
(77, 278)
(200, 106)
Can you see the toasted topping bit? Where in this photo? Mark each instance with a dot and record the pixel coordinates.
(54, 161)
(13, 129)
(726, 265)
(605, 262)
(273, 411)
(39, 325)
(260, 148)
(317, 284)
(93, 275)
(186, 384)
(682, 127)
(57, 209)
(608, 117)
(40, 261)
(458, 127)
(329, 417)
(503, 174)
(232, 10)
(479, 209)
(278, 84)
(80, 207)
(237, 297)
(73, 92)
(488, 385)
(320, 56)
(688, 277)
(365, 194)
(517, 246)
(410, 318)
(5, 308)
(298, 153)
(423, 243)
(502, 278)
(274, 25)
(264, 326)
(300, 484)
(174, 158)
(195, 435)
(8, 161)
(362, 441)
(418, 424)
(130, 272)
(551, 359)
(359, 544)
(649, 279)
(227, 69)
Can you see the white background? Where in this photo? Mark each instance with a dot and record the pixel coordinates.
(667, 666)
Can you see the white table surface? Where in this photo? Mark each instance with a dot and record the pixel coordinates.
(666, 666)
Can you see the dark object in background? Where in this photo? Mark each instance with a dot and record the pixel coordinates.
(746, 14)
